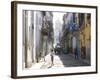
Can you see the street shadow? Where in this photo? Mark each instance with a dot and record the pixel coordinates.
(63, 59)
(70, 61)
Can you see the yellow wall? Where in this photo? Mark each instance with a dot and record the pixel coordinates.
(85, 33)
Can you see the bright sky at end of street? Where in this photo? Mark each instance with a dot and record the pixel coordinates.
(57, 25)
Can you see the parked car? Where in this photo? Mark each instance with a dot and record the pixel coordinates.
(58, 49)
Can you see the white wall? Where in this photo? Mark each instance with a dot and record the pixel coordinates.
(5, 40)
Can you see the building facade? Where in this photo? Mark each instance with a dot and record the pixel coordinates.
(37, 36)
(47, 33)
(85, 36)
(76, 33)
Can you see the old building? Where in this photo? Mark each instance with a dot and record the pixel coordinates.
(37, 36)
(43, 34)
(66, 40)
(76, 34)
(47, 33)
(85, 36)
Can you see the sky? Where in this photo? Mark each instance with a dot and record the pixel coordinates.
(57, 24)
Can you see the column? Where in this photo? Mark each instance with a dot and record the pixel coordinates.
(28, 53)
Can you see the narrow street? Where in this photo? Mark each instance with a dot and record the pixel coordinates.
(61, 31)
(63, 60)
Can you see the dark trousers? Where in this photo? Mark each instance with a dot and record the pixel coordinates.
(52, 59)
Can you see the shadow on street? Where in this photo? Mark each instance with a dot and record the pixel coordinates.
(69, 61)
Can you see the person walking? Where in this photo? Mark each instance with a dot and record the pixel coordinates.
(76, 53)
(52, 57)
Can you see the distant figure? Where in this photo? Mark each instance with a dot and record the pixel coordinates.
(76, 53)
(52, 57)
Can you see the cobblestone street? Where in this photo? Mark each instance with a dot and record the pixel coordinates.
(63, 60)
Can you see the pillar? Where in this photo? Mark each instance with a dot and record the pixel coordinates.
(28, 53)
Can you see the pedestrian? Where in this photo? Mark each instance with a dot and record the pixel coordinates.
(76, 53)
(52, 57)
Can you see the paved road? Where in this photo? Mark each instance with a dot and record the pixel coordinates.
(63, 60)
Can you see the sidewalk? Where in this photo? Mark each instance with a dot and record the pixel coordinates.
(57, 62)
(41, 63)
(47, 62)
